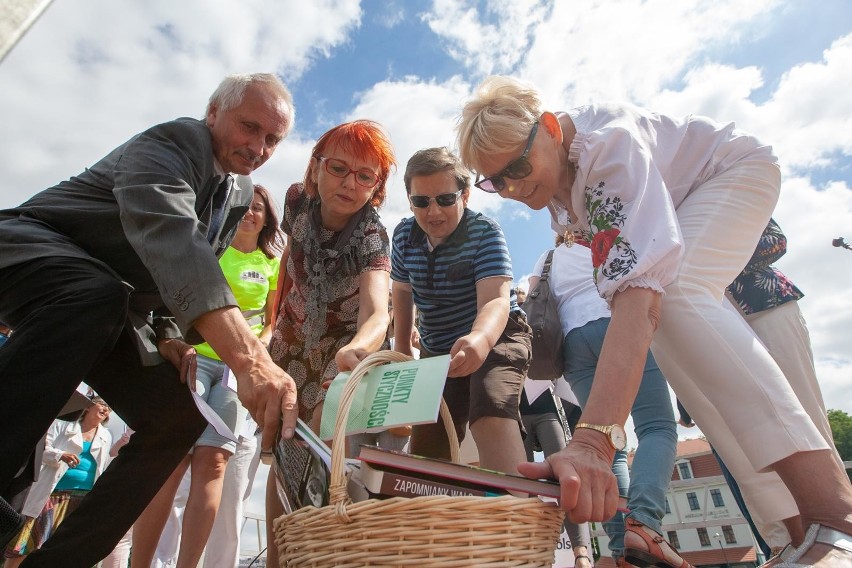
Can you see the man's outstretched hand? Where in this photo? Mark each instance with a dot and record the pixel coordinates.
(269, 394)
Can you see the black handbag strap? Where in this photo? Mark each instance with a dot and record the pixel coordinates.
(545, 270)
(545, 274)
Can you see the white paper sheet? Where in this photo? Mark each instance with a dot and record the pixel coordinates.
(534, 389)
(210, 415)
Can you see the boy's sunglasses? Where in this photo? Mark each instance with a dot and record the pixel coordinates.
(444, 200)
(518, 169)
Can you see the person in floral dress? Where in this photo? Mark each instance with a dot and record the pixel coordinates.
(335, 311)
(334, 306)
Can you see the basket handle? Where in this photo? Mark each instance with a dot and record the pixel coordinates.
(338, 496)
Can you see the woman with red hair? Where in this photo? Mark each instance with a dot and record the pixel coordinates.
(334, 304)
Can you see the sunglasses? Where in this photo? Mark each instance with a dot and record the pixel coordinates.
(444, 200)
(340, 169)
(518, 169)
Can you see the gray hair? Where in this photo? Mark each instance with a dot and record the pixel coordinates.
(433, 160)
(229, 94)
(497, 119)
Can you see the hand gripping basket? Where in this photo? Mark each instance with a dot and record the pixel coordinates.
(424, 532)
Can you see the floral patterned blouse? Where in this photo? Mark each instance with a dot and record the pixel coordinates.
(760, 285)
(319, 314)
(635, 168)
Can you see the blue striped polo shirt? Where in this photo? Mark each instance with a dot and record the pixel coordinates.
(443, 281)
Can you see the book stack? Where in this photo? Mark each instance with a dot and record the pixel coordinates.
(389, 473)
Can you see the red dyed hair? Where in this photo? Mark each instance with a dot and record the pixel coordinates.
(364, 139)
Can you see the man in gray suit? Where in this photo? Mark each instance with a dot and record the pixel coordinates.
(100, 272)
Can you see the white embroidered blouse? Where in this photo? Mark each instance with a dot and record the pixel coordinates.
(634, 168)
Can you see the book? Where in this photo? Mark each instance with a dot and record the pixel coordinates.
(448, 472)
(394, 394)
(382, 482)
(302, 467)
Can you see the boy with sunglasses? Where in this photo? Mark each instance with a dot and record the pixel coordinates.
(453, 265)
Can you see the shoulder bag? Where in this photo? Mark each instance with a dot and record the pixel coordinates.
(543, 317)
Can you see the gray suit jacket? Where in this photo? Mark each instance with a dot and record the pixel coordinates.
(142, 213)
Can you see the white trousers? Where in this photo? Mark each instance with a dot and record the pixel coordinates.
(726, 379)
(223, 546)
(784, 333)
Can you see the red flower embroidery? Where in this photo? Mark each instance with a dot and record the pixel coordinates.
(601, 243)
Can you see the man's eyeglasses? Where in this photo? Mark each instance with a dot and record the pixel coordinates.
(518, 169)
(444, 200)
(340, 169)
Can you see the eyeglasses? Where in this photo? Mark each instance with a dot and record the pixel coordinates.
(518, 169)
(444, 200)
(340, 169)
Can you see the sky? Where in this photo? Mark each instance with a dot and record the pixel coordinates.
(90, 74)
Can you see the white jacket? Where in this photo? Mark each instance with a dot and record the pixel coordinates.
(64, 437)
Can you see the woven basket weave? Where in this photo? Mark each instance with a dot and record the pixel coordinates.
(426, 532)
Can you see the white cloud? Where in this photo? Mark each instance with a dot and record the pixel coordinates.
(627, 49)
(810, 113)
(392, 13)
(490, 42)
(102, 71)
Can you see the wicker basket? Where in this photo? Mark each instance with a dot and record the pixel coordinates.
(435, 531)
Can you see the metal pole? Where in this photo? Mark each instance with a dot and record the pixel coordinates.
(722, 546)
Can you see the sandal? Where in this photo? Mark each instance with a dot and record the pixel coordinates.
(579, 556)
(642, 549)
(823, 547)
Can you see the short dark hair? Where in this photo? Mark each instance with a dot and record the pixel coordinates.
(433, 160)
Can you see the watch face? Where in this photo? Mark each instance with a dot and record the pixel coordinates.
(618, 437)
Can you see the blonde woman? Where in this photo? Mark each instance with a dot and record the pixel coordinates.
(672, 208)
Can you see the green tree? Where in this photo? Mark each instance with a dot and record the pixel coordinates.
(841, 429)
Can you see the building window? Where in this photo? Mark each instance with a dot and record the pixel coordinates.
(716, 494)
(693, 501)
(684, 470)
(668, 508)
(730, 537)
(703, 537)
(673, 540)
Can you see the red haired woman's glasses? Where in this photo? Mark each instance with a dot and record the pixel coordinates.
(339, 168)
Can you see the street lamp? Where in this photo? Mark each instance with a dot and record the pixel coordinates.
(722, 546)
(840, 243)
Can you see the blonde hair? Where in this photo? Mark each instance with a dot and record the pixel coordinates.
(497, 119)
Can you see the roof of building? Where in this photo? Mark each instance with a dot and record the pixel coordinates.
(685, 448)
(692, 447)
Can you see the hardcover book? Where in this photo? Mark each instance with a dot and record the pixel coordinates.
(382, 482)
(389, 395)
(447, 472)
(302, 466)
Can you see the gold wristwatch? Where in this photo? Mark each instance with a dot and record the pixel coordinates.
(614, 432)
